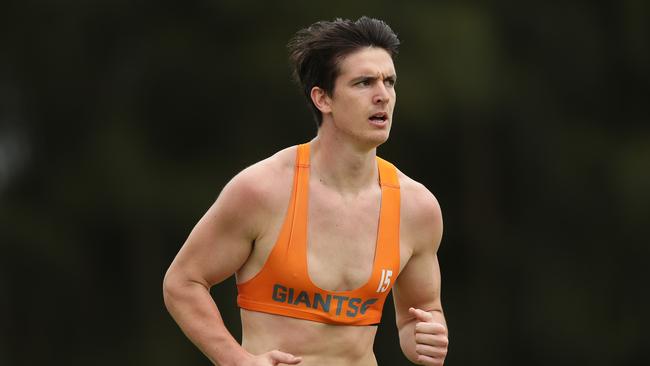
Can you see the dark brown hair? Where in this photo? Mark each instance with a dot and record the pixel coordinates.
(316, 51)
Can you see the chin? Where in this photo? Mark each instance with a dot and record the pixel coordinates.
(375, 138)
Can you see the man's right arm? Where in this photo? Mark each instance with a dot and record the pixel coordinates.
(217, 247)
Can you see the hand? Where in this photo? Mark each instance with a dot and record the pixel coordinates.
(273, 358)
(431, 340)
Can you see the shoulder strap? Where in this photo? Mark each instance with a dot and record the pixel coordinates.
(302, 160)
(387, 174)
(387, 257)
(295, 253)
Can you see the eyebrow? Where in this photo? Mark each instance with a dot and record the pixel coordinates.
(392, 77)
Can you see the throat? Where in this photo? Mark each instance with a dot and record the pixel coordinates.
(343, 168)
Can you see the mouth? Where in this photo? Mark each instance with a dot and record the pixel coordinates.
(379, 118)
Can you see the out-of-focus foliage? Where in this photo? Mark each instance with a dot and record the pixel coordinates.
(120, 121)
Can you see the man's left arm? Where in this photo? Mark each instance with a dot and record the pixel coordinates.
(418, 308)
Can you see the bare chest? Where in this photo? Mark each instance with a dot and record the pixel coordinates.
(341, 238)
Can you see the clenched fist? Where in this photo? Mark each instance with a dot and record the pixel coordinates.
(431, 340)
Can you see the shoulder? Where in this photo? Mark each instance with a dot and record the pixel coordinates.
(257, 185)
(260, 176)
(256, 194)
(421, 216)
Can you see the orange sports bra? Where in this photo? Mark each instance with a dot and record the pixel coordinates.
(283, 286)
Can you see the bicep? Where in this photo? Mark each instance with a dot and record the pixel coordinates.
(418, 286)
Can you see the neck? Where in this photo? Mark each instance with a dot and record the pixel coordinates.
(342, 165)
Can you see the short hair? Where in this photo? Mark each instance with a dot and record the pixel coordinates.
(315, 52)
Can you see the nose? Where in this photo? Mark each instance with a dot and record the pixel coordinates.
(382, 96)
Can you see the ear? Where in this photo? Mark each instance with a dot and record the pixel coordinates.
(321, 100)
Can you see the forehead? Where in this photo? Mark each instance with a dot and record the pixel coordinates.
(370, 61)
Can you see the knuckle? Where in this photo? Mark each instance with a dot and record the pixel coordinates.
(445, 342)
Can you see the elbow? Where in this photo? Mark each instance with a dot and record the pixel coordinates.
(179, 287)
(170, 288)
(167, 289)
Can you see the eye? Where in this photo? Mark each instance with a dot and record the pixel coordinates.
(364, 82)
(389, 82)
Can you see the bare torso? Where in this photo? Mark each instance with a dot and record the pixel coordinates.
(316, 343)
(342, 232)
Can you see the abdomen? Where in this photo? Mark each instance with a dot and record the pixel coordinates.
(317, 343)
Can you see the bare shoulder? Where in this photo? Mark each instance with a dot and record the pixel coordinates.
(258, 186)
(421, 216)
(259, 177)
(221, 241)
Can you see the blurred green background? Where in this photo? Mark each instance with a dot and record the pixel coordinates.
(120, 121)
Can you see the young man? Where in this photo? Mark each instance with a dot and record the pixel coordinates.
(318, 234)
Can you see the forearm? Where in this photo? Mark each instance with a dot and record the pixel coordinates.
(407, 334)
(194, 310)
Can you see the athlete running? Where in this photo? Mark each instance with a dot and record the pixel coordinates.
(319, 233)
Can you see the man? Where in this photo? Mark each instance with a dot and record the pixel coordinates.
(318, 234)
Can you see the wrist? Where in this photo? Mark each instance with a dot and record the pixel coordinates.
(227, 352)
